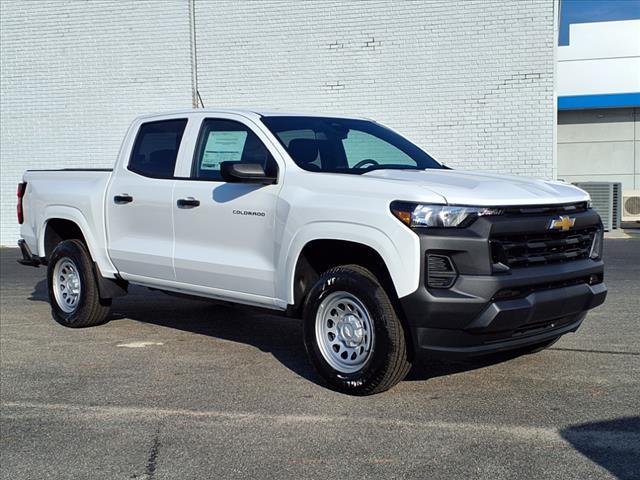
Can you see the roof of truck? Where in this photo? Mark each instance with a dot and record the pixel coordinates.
(249, 112)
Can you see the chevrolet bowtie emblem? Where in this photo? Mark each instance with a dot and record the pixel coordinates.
(563, 223)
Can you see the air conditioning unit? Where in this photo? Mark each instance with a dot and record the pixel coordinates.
(631, 206)
(606, 199)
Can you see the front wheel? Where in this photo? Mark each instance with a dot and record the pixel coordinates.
(352, 333)
(73, 288)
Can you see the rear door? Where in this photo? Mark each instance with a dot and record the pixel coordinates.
(139, 202)
(224, 232)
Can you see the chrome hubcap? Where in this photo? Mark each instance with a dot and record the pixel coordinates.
(344, 332)
(66, 285)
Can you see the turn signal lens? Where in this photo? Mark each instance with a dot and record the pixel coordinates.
(403, 216)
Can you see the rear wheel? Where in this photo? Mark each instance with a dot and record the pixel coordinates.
(73, 288)
(352, 333)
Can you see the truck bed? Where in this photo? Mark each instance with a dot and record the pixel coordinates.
(76, 194)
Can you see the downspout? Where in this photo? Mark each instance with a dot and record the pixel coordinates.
(195, 94)
(557, 5)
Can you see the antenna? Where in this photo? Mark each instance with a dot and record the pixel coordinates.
(200, 98)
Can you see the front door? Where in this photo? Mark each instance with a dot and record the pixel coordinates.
(224, 232)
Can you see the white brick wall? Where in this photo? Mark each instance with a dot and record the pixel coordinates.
(471, 81)
(75, 73)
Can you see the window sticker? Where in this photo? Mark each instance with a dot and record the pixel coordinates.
(223, 147)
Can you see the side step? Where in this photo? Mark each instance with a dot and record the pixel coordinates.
(28, 258)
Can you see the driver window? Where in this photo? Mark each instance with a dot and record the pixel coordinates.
(359, 146)
(228, 141)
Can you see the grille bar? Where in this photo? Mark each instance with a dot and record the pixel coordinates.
(523, 250)
(547, 209)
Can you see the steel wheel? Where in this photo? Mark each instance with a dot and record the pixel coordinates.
(66, 285)
(344, 332)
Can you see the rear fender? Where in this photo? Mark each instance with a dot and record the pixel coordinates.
(97, 248)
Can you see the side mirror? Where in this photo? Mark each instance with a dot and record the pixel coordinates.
(236, 172)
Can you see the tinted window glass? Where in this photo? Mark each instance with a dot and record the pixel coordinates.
(228, 141)
(156, 148)
(346, 145)
(360, 147)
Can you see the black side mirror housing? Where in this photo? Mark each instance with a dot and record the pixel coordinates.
(236, 172)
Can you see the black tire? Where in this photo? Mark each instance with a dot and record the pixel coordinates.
(88, 310)
(388, 362)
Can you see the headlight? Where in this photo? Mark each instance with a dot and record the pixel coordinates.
(443, 216)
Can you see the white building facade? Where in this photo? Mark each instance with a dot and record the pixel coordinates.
(472, 81)
(599, 104)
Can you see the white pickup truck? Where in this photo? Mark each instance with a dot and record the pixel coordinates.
(382, 251)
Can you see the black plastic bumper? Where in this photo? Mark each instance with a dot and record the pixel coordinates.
(28, 258)
(487, 310)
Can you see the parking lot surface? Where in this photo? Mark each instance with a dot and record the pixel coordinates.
(173, 388)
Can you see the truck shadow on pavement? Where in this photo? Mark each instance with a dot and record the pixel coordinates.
(612, 444)
(280, 336)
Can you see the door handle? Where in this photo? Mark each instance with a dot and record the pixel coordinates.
(188, 202)
(122, 199)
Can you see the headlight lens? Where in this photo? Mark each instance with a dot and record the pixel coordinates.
(442, 216)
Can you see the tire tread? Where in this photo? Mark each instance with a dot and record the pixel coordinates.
(397, 364)
(93, 310)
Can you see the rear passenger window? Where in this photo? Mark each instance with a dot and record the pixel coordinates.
(156, 148)
(228, 141)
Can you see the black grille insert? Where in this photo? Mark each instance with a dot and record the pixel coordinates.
(547, 209)
(524, 250)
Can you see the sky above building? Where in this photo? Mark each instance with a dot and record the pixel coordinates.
(585, 11)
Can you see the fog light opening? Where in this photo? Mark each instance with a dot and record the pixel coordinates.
(441, 272)
(594, 279)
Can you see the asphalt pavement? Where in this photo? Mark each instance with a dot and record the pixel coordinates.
(173, 388)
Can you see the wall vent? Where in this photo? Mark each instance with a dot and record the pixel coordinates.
(606, 199)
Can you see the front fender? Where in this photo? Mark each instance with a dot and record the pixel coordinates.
(400, 254)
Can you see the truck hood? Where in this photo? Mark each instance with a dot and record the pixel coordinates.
(485, 189)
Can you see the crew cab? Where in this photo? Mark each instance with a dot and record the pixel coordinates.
(383, 252)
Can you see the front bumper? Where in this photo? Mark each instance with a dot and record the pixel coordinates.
(487, 310)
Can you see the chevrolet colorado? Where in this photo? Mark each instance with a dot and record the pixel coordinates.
(382, 251)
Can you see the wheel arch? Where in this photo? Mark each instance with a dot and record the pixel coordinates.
(369, 246)
(318, 256)
(64, 223)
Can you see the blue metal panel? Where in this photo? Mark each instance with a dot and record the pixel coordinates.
(606, 100)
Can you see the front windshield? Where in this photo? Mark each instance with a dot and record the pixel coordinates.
(346, 145)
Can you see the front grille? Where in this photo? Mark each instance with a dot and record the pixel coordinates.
(525, 250)
(547, 209)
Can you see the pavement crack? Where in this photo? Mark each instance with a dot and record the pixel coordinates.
(588, 350)
(152, 461)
